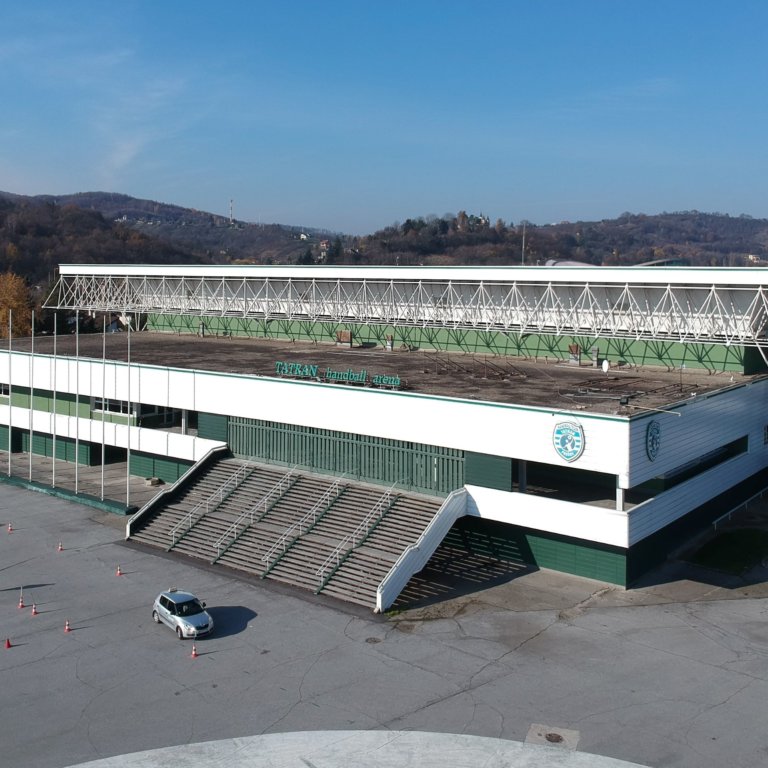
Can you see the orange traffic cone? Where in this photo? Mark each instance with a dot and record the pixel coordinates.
(194, 653)
(118, 572)
(8, 642)
(21, 599)
(34, 609)
(59, 548)
(66, 626)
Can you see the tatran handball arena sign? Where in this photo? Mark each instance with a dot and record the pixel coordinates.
(304, 371)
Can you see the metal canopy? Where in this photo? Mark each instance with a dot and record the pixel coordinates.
(689, 305)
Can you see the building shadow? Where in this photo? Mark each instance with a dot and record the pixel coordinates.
(456, 570)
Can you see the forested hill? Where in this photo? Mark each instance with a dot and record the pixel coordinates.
(200, 235)
(39, 233)
(36, 237)
(690, 237)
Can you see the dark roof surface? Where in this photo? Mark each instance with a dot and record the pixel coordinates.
(624, 390)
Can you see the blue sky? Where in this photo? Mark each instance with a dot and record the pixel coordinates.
(353, 115)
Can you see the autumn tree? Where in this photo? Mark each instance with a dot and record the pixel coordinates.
(15, 298)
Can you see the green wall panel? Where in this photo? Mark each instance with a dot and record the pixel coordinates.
(148, 465)
(488, 471)
(15, 439)
(43, 445)
(142, 465)
(44, 400)
(544, 550)
(212, 426)
(426, 468)
(713, 357)
(578, 557)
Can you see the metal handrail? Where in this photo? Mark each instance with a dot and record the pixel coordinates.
(202, 508)
(166, 492)
(745, 504)
(343, 545)
(313, 513)
(233, 531)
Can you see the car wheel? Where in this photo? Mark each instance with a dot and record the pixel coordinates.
(155, 617)
(179, 633)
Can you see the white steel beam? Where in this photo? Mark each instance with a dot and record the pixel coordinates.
(689, 306)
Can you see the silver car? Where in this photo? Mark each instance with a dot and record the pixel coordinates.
(183, 613)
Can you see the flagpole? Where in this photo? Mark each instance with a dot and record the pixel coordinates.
(31, 394)
(130, 415)
(53, 465)
(77, 398)
(10, 387)
(103, 395)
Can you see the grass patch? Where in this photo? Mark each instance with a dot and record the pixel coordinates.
(733, 551)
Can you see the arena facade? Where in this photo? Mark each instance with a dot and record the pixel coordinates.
(589, 420)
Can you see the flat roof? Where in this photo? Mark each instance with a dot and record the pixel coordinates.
(748, 277)
(623, 391)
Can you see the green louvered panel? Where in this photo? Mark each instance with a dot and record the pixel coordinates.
(167, 469)
(15, 439)
(43, 445)
(545, 550)
(212, 426)
(430, 469)
(488, 471)
(580, 558)
(713, 357)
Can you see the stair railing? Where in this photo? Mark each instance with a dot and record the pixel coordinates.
(308, 520)
(351, 540)
(168, 491)
(259, 508)
(213, 501)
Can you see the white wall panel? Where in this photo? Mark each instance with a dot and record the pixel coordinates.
(704, 423)
(499, 429)
(502, 430)
(580, 521)
(612, 445)
(155, 441)
(653, 515)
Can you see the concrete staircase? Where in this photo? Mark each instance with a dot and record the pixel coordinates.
(157, 530)
(247, 551)
(299, 564)
(367, 564)
(288, 526)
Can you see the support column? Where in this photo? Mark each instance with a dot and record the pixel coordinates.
(619, 497)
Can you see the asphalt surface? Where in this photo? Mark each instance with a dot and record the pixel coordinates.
(672, 674)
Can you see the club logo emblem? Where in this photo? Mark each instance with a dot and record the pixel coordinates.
(568, 439)
(653, 440)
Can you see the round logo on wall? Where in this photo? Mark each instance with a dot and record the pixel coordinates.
(653, 440)
(568, 439)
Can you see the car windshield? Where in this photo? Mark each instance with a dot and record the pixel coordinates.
(188, 608)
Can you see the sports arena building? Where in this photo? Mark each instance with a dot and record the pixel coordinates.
(589, 420)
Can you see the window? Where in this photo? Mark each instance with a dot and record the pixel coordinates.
(110, 406)
(5, 391)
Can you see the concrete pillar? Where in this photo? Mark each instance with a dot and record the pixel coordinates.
(522, 475)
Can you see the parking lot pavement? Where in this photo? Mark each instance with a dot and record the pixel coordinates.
(671, 675)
